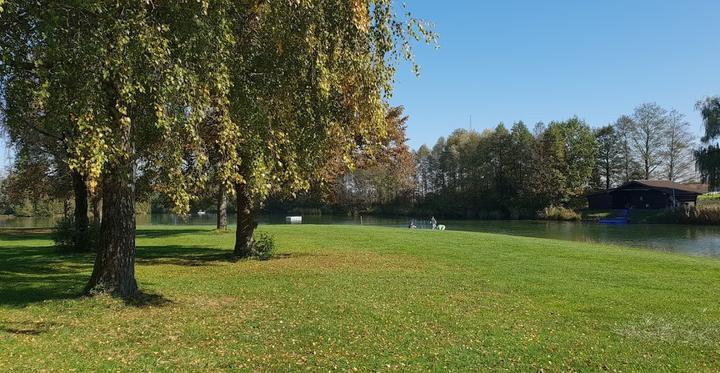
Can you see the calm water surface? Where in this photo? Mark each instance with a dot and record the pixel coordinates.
(692, 240)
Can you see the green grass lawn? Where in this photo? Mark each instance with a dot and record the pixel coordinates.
(361, 297)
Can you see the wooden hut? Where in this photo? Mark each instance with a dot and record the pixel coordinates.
(646, 194)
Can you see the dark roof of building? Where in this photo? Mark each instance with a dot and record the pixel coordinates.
(666, 184)
(661, 184)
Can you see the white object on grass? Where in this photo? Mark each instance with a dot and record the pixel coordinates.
(293, 219)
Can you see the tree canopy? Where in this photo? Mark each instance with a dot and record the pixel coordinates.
(708, 155)
(128, 85)
(506, 173)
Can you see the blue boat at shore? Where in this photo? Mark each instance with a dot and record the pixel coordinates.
(618, 220)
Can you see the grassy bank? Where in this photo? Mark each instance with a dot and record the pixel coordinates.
(365, 298)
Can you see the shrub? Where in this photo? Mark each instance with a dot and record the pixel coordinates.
(560, 214)
(263, 246)
(700, 215)
(68, 238)
(708, 200)
(709, 197)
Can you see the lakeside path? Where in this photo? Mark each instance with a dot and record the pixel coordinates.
(369, 298)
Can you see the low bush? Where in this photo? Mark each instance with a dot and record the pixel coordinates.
(709, 197)
(263, 246)
(560, 214)
(709, 200)
(68, 238)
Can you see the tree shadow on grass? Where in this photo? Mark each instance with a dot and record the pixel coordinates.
(191, 256)
(22, 234)
(158, 233)
(35, 274)
(25, 328)
(146, 300)
(195, 256)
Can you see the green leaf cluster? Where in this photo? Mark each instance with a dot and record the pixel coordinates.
(258, 92)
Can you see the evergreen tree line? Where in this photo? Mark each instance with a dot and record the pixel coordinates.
(505, 173)
(516, 172)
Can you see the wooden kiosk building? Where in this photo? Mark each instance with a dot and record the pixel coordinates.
(646, 194)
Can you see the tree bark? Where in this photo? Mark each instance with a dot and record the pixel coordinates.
(95, 205)
(114, 270)
(82, 240)
(66, 209)
(245, 222)
(607, 173)
(222, 208)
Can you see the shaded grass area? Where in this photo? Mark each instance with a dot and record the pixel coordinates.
(362, 297)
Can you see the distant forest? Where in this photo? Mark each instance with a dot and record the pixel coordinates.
(510, 172)
(505, 172)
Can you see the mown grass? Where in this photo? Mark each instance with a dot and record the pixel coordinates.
(362, 298)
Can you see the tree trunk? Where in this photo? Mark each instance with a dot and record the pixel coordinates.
(647, 157)
(245, 222)
(114, 270)
(82, 239)
(222, 209)
(95, 205)
(66, 209)
(607, 174)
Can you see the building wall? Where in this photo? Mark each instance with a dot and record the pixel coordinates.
(601, 201)
(637, 199)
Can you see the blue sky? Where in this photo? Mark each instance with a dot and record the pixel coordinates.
(509, 60)
(4, 156)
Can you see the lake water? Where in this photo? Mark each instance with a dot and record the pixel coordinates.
(691, 240)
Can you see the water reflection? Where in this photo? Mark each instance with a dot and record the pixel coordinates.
(692, 240)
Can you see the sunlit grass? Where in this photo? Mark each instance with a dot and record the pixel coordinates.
(360, 297)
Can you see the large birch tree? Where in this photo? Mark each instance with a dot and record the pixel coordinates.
(128, 85)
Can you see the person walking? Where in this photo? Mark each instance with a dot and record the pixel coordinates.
(433, 222)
